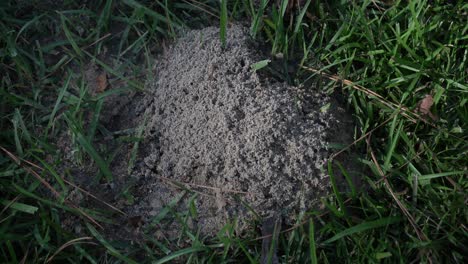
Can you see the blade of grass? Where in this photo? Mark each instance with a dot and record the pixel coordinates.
(280, 34)
(223, 22)
(247, 254)
(25, 208)
(11, 250)
(300, 18)
(335, 189)
(59, 179)
(134, 152)
(257, 18)
(363, 227)
(147, 11)
(69, 36)
(26, 135)
(57, 104)
(89, 149)
(114, 252)
(394, 137)
(347, 178)
(103, 23)
(166, 210)
(179, 253)
(312, 247)
(442, 174)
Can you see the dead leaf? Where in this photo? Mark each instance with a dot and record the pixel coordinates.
(424, 107)
(101, 82)
(425, 104)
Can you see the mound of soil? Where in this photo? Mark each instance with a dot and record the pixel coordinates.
(215, 127)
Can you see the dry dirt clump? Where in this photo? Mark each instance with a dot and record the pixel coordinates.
(219, 129)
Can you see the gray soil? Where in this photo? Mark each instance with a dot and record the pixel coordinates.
(215, 127)
(217, 136)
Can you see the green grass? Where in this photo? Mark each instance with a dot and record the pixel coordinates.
(383, 56)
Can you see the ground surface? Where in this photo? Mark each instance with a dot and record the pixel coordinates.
(213, 123)
(73, 127)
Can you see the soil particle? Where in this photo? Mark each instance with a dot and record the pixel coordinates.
(218, 129)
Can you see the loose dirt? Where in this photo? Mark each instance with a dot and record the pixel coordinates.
(221, 144)
(215, 127)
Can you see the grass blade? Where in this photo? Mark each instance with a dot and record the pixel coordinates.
(363, 227)
(256, 22)
(312, 247)
(442, 174)
(394, 138)
(57, 104)
(147, 11)
(133, 154)
(25, 208)
(223, 23)
(335, 189)
(69, 36)
(348, 179)
(114, 252)
(180, 253)
(90, 149)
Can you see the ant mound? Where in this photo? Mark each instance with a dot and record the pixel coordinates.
(218, 131)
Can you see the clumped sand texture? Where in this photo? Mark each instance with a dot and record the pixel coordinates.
(213, 122)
